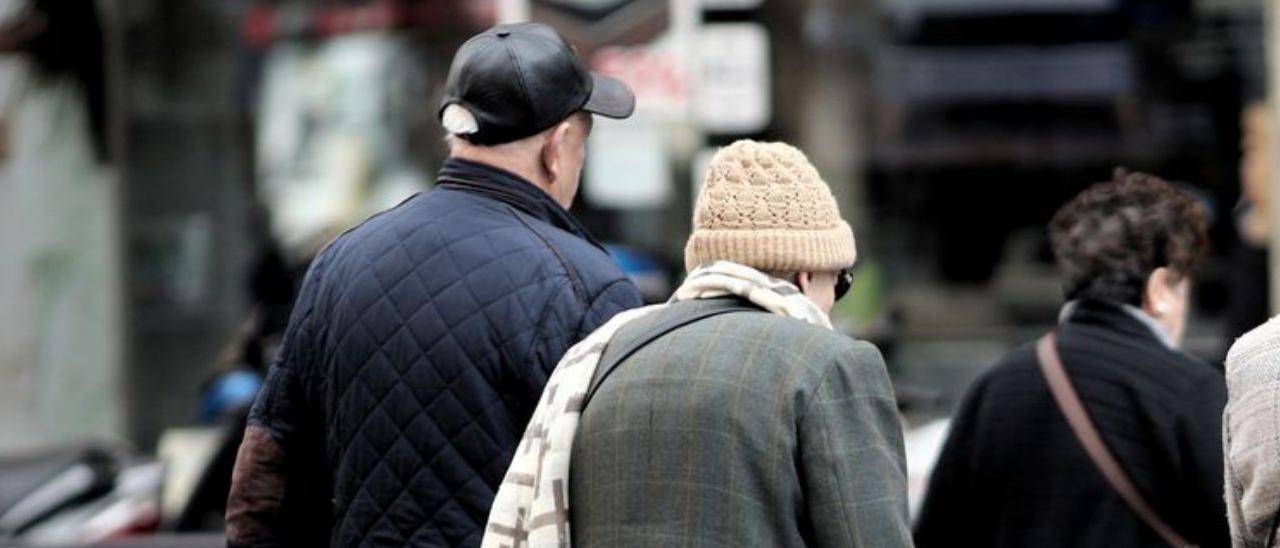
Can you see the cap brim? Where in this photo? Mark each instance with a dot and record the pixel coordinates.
(610, 97)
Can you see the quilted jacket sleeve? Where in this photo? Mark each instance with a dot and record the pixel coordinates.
(616, 297)
(568, 319)
(274, 480)
(851, 456)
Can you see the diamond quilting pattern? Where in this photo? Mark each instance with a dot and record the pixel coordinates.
(436, 324)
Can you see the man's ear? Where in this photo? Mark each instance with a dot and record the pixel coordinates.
(1157, 296)
(553, 151)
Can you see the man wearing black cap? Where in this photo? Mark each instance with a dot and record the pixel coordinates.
(421, 339)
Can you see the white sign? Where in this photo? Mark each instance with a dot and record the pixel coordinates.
(627, 165)
(732, 88)
(657, 73)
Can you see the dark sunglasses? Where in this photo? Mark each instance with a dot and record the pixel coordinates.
(844, 281)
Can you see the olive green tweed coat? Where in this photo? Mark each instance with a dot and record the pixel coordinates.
(744, 429)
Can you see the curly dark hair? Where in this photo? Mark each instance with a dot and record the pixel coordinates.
(1110, 238)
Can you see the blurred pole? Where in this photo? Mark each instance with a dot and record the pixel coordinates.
(832, 109)
(111, 16)
(1272, 15)
(513, 11)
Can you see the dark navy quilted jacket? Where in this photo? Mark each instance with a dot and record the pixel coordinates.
(418, 347)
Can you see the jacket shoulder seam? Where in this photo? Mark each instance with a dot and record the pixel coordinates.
(542, 320)
(579, 291)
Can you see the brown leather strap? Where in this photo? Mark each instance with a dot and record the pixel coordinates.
(1078, 418)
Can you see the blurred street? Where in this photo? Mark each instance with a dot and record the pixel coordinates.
(170, 168)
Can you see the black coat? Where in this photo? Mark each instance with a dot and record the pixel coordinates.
(1012, 473)
(418, 347)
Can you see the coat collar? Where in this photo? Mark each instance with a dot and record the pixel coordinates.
(1117, 316)
(510, 189)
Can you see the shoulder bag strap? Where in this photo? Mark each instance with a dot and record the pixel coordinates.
(667, 325)
(1069, 403)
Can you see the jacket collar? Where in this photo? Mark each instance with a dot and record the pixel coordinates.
(512, 190)
(1121, 317)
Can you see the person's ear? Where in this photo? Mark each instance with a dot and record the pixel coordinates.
(1161, 291)
(553, 152)
(804, 280)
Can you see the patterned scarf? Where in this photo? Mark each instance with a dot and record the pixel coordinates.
(531, 509)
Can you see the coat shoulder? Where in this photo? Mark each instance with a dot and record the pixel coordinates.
(820, 342)
(812, 349)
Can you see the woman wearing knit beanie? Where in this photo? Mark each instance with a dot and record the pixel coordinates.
(733, 415)
(1252, 437)
(765, 206)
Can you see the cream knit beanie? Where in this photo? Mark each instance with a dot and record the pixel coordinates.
(764, 205)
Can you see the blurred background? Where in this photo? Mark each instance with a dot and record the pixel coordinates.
(169, 167)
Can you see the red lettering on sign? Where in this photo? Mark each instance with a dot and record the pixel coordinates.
(654, 76)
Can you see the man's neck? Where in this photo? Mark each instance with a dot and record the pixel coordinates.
(522, 172)
(502, 160)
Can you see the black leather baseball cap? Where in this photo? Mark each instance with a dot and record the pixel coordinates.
(522, 78)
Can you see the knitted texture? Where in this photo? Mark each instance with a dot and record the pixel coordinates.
(1252, 424)
(765, 206)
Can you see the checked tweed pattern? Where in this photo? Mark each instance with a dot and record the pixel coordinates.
(531, 509)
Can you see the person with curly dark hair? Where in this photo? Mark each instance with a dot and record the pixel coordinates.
(1134, 241)
(1103, 433)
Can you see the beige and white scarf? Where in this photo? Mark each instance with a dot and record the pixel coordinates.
(531, 509)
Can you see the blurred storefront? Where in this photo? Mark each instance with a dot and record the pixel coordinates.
(165, 181)
(244, 134)
(241, 136)
(258, 131)
(168, 168)
(986, 116)
(62, 341)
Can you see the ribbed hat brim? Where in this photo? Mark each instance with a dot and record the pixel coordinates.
(774, 250)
